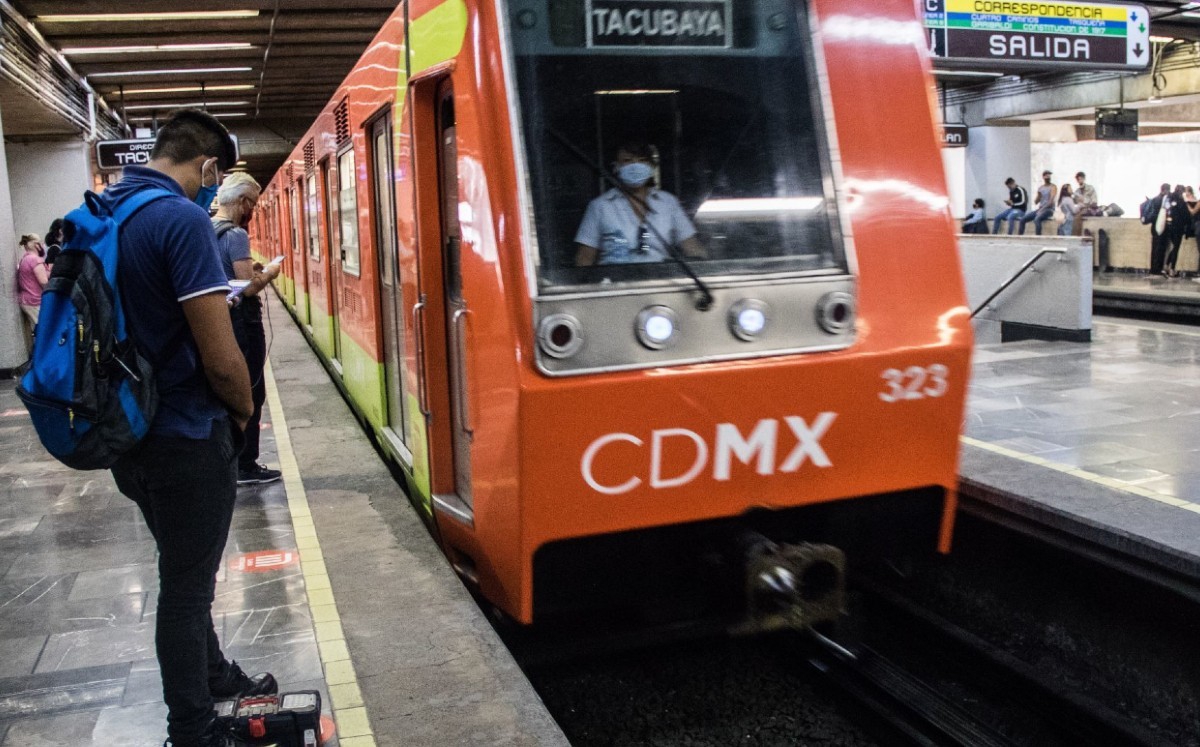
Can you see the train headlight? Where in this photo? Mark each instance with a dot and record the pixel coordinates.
(560, 336)
(656, 327)
(835, 312)
(748, 319)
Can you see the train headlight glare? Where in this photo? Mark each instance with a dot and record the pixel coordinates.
(560, 336)
(748, 319)
(656, 327)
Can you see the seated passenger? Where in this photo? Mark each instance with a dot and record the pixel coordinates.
(976, 222)
(632, 226)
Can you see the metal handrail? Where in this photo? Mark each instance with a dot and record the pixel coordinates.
(1013, 279)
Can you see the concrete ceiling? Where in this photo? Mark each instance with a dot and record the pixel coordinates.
(291, 57)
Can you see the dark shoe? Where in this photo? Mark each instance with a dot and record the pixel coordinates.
(258, 475)
(237, 683)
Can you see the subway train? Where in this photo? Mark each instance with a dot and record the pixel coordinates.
(703, 386)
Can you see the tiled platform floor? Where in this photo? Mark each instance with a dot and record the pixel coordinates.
(77, 599)
(1125, 407)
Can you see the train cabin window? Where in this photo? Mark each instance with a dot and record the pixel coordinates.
(347, 196)
(312, 211)
(719, 97)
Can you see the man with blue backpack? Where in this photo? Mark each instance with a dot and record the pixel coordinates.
(166, 356)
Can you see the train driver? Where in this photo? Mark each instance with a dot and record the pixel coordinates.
(632, 225)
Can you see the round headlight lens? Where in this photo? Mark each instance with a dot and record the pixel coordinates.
(748, 319)
(560, 336)
(656, 327)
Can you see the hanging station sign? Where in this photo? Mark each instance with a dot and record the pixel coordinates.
(117, 154)
(1002, 34)
(955, 136)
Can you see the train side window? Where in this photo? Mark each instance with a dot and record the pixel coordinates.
(294, 205)
(348, 212)
(314, 240)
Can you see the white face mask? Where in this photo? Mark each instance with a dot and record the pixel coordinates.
(635, 174)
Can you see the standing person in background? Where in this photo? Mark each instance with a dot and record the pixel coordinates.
(1066, 203)
(1018, 201)
(976, 222)
(32, 277)
(54, 240)
(1178, 219)
(1160, 206)
(235, 206)
(1043, 208)
(1194, 213)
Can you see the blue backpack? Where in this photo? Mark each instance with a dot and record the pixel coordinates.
(89, 391)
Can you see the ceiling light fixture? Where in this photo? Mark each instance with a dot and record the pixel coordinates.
(185, 15)
(208, 47)
(230, 114)
(174, 71)
(192, 105)
(190, 89)
(967, 73)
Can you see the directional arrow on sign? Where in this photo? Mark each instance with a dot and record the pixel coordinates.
(1137, 50)
(1142, 28)
(1133, 16)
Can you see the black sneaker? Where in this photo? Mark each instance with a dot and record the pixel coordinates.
(258, 475)
(237, 683)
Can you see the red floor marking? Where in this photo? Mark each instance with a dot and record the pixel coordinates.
(266, 560)
(327, 729)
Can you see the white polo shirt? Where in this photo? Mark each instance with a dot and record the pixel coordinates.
(611, 226)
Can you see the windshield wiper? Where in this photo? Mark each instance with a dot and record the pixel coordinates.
(706, 297)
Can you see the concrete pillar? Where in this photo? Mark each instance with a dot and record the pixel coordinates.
(48, 179)
(12, 342)
(993, 155)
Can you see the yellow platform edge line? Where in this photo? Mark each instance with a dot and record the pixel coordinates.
(1067, 469)
(334, 650)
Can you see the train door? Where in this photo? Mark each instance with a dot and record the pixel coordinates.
(390, 300)
(457, 311)
(299, 266)
(313, 263)
(333, 266)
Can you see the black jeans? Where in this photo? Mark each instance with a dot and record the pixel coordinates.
(252, 340)
(186, 490)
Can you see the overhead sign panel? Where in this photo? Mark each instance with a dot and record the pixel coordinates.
(117, 154)
(1023, 35)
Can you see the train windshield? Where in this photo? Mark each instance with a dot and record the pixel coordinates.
(664, 133)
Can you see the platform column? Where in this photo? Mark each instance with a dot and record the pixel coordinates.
(12, 340)
(993, 155)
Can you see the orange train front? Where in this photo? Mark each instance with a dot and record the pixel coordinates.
(708, 391)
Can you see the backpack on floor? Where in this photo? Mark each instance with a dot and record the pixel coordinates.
(89, 391)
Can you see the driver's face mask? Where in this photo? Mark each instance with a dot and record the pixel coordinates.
(635, 174)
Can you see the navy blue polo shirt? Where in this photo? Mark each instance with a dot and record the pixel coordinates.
(168, 254)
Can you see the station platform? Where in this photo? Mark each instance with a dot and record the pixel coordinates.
(1142, 293)
(329, 580)
(1095, 441)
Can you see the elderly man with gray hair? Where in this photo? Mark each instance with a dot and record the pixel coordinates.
(235, 205)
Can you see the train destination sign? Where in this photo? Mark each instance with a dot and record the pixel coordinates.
(1007, 34)
(659, 23)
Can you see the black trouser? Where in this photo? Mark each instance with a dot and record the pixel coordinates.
(1176, 240)
(185, 489)
(248, 329)
(1158, 251)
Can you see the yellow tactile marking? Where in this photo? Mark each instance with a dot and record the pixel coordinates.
(353, 725)
(1107, 482)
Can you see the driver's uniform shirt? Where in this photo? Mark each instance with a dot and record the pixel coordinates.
(611, 227)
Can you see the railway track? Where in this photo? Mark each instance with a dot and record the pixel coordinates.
(919, 713)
